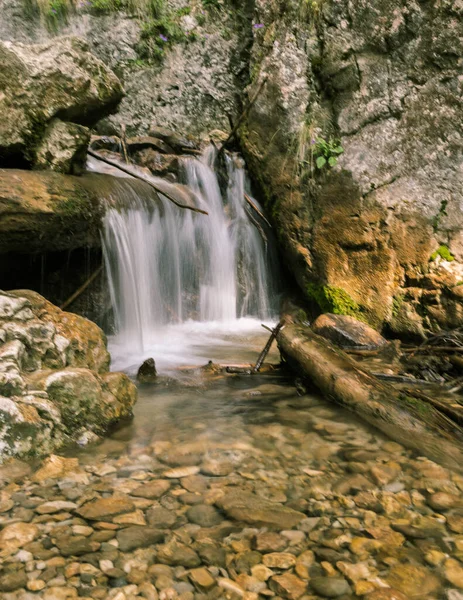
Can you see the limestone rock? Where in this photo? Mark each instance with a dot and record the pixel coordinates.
(40, 82)
(63, 148)
(346, 331)
(288, 586)
(54, 380)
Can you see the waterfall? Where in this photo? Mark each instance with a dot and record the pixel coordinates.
(167, 265)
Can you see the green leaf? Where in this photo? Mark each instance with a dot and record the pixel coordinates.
(321, 162)
(338, 150)
(332, 161)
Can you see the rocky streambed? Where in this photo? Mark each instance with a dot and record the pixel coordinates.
(233, 488)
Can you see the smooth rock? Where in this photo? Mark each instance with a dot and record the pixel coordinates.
(138, 537)
(347, 331)
(204, 515)
(105, 508)
(330, 587)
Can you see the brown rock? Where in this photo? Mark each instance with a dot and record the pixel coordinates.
(247, 507)
(12, 581)
(455, 522)
(279, 560)
(413, 581)
(453, 571)
(288, 586)
(441, 501)
(15, 536)
(105, 508)
(152, 489)
(386, 594)
(347, 331)
(138, 537)
(202, 579)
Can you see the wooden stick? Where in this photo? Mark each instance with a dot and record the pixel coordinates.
(431, 349)
(138, 176)
(268, 345)
(259, 212)
(243, 115)
(82, 288)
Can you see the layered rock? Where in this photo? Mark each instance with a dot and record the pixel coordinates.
(379, 235)
(45, 211)
(49, 92)
(55, 385)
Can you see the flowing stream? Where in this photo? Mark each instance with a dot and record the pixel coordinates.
(182, 283)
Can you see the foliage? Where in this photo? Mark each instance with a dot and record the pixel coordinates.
(211, 4)
(156, 36)
(442, 213)
(310, 11)
(444, 252)
(105, 6)
(53, 12)
(326, 152)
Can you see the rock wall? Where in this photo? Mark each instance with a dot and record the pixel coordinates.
(55, 385)
(193, 87)
(379, 235)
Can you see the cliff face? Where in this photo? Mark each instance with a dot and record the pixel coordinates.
(377, 235)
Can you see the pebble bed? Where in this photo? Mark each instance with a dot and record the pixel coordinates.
(242, 489)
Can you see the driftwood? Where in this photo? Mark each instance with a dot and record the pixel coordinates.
(268, 345)
(130, 171)
(82, 288)
(407, 419)
(253, 205)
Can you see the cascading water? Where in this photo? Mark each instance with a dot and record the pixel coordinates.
(174, 273)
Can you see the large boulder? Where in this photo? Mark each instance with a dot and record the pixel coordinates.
(379, 235)
(39, 83)
(55, 385)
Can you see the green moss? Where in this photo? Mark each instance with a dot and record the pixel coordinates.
(444, 252)
(418, 406)
(105, 6)
(333, 299)
(397, 302)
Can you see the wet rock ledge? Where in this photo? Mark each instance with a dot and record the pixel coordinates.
(55, 384)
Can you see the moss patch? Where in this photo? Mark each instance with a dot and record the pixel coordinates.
(333, 299)
(444, 252)
(418, 406)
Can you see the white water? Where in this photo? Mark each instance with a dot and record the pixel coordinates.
(182, 282)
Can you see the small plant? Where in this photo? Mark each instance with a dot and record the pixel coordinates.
(156, 36)
(327, 152)
(53, 12)
(444, 252)
(105, 6)
(211, 4)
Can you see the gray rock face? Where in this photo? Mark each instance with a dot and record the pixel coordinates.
(59, 79)
(378, 77)
(54, 380)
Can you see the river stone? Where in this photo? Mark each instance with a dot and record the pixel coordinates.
(160, 517)
(330, 587)
(269, 541)
(152, 489)
(204, 515)
(76, 545)
(105, 508)
(55, 506)
(175, 554)
(442, 501)
(279, 560)
(346, 331)
(413, 580)
(147, 372)
(201, 579)
(455, 522)
(15, 536)
(138, 537)
(288, 586)
(12, 581)
(453, 571)
(247, 507)
(386, 594)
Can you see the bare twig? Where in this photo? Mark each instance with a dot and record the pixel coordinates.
(82, 288)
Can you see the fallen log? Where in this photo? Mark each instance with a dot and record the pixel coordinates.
(409, 420)
(82, 288)
(161, 187)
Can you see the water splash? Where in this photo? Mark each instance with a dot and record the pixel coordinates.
(168, 265)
